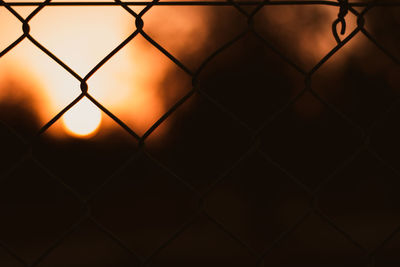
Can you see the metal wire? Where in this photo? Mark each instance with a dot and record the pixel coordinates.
(344, 7)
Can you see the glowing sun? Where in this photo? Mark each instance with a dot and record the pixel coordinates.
(83, 119)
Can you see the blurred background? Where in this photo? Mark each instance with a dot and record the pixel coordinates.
(240, 135)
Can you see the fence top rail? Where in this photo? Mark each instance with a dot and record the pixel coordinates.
(203, 3)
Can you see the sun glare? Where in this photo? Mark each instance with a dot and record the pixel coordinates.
(83, 119)
(131, 84)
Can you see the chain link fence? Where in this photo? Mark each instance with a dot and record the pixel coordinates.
(285, 191)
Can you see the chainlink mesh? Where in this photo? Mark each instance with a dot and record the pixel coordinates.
(203, 213)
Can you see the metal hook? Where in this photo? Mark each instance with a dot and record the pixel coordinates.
(344, 8)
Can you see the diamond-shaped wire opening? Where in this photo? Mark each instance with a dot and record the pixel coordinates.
(36, 210)
(139, 84)
(81, 36)
(361, 200)
(359, 81)
(302, 33)
(193, 27)
(247, 197)
(142, 195)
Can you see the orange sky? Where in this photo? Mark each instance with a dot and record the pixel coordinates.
(128, 84)
(131, 83)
